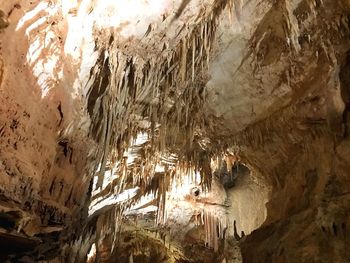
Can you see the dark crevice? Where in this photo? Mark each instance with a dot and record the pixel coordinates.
(64, 145)
(59, 108)
(344, 76)
(229, 178)
(8, 220)
(334, 229)
(98, 88)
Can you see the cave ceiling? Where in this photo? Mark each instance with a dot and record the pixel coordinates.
(173, 113)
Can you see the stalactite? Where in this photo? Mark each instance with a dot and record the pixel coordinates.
(141, 71)
(213, 227)
(141, 87)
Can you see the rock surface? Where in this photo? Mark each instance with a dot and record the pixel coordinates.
(209, 84)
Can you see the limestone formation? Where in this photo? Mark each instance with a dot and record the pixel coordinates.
(175, 131)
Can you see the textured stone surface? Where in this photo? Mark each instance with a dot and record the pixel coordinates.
(264, 82)
(43, 163)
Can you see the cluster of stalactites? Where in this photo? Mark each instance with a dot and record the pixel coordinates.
(165, 89)
(214, 227)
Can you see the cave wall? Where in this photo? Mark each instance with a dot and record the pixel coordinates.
(247, 200)
(44, 155)
(308, 214)
(278, 91)
(302, 151)
(295, 62)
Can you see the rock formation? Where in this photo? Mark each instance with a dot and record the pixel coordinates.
(175, 131)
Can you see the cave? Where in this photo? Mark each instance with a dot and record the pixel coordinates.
(183, 131)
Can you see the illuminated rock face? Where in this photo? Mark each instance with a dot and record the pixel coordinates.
(44, 170)
(265, 83)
